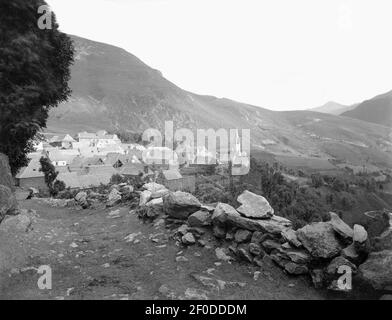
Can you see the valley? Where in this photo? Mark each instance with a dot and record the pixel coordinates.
(112, 90)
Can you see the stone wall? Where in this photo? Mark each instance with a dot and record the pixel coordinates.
(323, 251)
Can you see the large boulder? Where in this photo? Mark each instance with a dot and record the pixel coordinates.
(296, 255)
(21, 223)
(341, 228)
(296, 269)
(291, 236)
(200, 218)
(145, 197)
(221, 213)
(180, 204)
(154, 187)
(155, 190)
(242, 236)
(81, 199)
(114, 197)
(254, 206)
(8, 204)
(225, 214)
(320, 240)
(361, 240)
(360, 234)
(333, 270)
(377, 270)
(351, 254)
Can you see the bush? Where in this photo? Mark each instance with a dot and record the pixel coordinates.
(118, 178)
(67, 194)
(208, 193)
(51, 174)
(317, 180)
(306, 208)
(339, 184)
(58, 186)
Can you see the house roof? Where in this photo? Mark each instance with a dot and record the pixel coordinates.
(112, 157)
(77, 162)
(172, 174)
(32, 169)
(62, 138)
(86, 151)
(102, 134)
(92, 161)
(111, 149)
(132, 169)
(101, 169)
(62, 155)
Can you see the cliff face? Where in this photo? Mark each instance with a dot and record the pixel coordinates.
(8, 202)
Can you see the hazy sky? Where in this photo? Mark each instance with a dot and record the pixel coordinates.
(280, 54)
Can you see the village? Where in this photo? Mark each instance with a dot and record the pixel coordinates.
(89, 160)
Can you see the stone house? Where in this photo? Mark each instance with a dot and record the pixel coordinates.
(174, 181)
(31, 176)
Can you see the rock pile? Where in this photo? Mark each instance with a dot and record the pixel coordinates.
(254, 234)
(109, 196)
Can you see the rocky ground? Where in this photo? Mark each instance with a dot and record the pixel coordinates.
(108, 253)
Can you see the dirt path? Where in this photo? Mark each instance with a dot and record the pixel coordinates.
(91, 259)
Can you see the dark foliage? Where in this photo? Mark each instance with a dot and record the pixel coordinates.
(34, 74)
(51, 174)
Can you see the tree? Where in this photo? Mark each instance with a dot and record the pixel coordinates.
(339, 184)
(317, 180)
(34, 74)
(51, 174)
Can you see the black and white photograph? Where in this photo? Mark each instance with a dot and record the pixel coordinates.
(195, 156)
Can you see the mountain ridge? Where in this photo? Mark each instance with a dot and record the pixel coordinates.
(376, 110)
(335, 108)
(114, 89)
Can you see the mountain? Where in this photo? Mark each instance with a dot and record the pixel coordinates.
(113, 89)
(377, 110)
(335, 108)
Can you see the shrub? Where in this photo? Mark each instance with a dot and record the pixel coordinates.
(208, 193)
(118, 178)
(317, 180)
(67, 194)
(58, 186)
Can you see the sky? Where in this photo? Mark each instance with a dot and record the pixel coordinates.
(281, 54)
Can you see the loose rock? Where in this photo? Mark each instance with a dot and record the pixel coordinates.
(242, 236)
(200, 218)
(320, 240)
(180, 204)
(254, 206)
(341, 227)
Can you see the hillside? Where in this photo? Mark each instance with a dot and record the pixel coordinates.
(114, 89)
(335, 108)
(377, 110)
